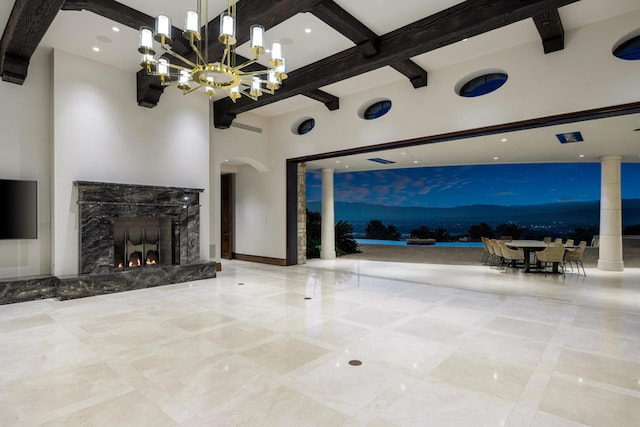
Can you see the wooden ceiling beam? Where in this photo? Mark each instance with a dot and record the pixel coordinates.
(362, 36)
(416, 74)
(347, 25)
(27, 25)
(114, 11)
(466, 19)
(331, 102)
(549, 26)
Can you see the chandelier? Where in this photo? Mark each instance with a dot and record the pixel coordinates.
(191, 75)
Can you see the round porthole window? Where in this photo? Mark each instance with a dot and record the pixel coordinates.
(303, 126)
(375, 110)
(482, 84)
(628, 48)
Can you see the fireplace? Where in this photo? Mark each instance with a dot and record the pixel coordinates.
(139, 242)
(124, 226)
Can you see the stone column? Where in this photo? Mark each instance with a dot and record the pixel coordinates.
(302, 213)
(610, 256)
(328, 236)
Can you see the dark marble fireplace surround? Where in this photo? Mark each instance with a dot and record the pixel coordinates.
(101, 204)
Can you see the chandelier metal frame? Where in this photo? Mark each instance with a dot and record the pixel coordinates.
(212, 76)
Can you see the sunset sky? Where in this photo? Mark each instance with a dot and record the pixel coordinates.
(467, 185)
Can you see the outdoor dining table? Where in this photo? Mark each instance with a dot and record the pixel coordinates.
(527, 247)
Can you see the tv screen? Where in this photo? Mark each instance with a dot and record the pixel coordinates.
(18, 209)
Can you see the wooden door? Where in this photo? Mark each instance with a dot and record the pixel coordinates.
(226, 217)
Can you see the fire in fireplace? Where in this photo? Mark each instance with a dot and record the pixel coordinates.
(142, 241)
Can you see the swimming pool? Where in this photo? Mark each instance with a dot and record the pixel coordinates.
(403, 243)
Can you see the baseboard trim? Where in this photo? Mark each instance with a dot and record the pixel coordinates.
(260, 259)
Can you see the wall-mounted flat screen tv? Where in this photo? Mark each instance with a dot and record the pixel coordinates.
(18, 209)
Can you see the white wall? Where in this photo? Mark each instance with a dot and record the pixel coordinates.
(101, 134)
(245, 153)
(25, 147)
(582, 76)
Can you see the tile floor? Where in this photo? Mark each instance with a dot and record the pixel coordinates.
(439, 346)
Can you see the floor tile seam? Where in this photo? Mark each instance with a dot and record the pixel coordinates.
(31, 376)
(318, 343)
(193, 332)
(524, 365)
(571, 423)
(423, 340)
(302, 390)
(615, 334)
(544, 369)
(9, 311)
(255, 344)
(484, 360)
(520, 317)
(599, 384)
(81, 405)
(435, 381)
(410, 317)
(165, 395)
(371, 328)
(609, 359)
(514, 335)
(603, 354)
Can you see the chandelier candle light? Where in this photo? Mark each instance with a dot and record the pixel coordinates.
(212, 76)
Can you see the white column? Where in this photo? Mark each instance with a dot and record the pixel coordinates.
(328, 235)
(610, 257)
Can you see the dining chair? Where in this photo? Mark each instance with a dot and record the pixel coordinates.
(488, 253)
(575, 255)
(558, 241)
(553, 254)
(506, 238)
(569, 242)
(511, 256)
(547, 239)
(498, 258)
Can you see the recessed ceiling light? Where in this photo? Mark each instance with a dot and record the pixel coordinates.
(337, 161)
(96, 49)
(496, 158)
(504, 140)
(465, 39)
(415, 161)
(581, 155)
(307, 30)
(403, 153)
(347, 166)
(115, 29)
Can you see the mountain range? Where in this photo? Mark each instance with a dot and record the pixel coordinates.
(568, 214)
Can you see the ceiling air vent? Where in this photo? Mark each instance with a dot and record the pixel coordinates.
(382, 161)
(568, 138)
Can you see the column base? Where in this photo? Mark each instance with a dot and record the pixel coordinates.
(610, 265)
(327, 255)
